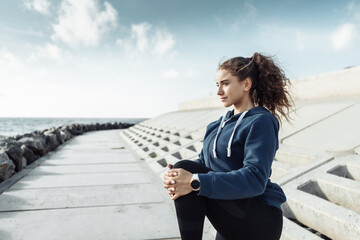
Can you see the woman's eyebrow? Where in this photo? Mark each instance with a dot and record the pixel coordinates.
(222, 81)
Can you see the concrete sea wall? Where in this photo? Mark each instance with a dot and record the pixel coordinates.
(19, 151)
(317, 163)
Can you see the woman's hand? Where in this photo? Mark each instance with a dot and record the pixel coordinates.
(177, 182)
(168, 179)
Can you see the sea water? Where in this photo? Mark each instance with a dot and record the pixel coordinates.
(15, 126)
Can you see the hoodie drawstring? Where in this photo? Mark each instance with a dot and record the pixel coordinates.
(217, 134)
(232, 135)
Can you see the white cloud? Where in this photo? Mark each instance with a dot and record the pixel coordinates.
(343, 36)
(351, 6)
(50, 51)
(145, 39)
(240, 20)
(9, 63)
(353, 9)
(83, 23)
(170, 74)
(41, 6)
(163, 42)
(191, 73)
(139, 33)
(250, 10)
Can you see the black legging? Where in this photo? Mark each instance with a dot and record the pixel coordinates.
(247, 219)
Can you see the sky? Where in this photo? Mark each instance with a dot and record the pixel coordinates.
(141, 58)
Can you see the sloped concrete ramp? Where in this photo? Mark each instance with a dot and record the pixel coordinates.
(91, 188)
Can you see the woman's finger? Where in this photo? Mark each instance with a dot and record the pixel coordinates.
(175, 196)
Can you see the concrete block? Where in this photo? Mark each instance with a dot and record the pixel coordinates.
(357, 150)
(293, 162)
(308, 115)
(292, 231)
(326, 198)
(279, 169)
(327, 218)
(342, 139)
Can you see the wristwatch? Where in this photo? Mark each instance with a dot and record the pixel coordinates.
(195, 182)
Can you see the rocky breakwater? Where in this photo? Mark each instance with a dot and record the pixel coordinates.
(19, 151)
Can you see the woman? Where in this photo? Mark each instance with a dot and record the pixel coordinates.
(229, 182)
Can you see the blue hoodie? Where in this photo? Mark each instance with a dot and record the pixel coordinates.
(241, 157)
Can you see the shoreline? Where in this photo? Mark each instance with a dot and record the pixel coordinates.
(12, 126)
(16, 152)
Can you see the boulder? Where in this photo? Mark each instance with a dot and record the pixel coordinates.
(57, 132)
(7, 140)
(15, 153)
(7, 167)
(65, 134)
(36, 144)
(28, 154)
(51, 140)
(74, 130)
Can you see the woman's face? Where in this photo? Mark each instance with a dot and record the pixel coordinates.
(230, 89)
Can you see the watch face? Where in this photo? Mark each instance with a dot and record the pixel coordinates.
(195, 184)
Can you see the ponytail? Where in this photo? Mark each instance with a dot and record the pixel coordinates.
(269, 83)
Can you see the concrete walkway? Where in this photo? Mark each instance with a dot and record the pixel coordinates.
(91, 188)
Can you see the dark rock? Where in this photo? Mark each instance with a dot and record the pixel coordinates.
(17, 137)
(36, 144)
(15, 153)
(51, 140)
(57, 132)
(28, 154)
(65, 134)
(7, 167)
(74, 130)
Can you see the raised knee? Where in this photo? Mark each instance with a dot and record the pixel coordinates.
(183, 164)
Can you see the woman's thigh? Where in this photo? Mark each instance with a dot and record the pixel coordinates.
(244, 219)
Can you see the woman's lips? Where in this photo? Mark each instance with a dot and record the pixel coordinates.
(223, 99)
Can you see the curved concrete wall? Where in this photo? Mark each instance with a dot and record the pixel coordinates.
(343, 83)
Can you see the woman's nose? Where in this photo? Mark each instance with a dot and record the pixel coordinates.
(220, 91)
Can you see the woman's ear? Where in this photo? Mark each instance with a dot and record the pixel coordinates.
(247, 84)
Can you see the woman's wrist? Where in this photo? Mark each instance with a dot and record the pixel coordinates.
(195, 182)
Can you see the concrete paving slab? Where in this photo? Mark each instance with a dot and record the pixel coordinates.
(87, 153)
(77, 180)
(85, 168)
(90, 159)
(85, 190)
(144, 221)
(74, 197)
(343, 138)
(93, 147)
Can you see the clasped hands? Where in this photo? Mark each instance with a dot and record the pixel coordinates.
(177, 182)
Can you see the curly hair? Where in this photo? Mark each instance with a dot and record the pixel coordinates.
(269, 83)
